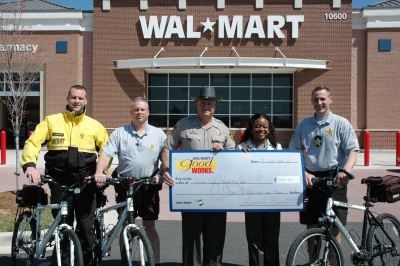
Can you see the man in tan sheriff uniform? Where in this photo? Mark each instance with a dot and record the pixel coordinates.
(200, 132)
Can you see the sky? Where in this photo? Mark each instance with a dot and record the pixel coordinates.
(88, 4)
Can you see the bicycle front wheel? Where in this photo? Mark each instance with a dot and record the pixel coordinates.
(23, 244)
(142, 253)
(309, 247)
(98, 253)
(70, 249)
(379, 242)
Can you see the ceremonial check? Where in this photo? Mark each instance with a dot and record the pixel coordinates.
(234, 181)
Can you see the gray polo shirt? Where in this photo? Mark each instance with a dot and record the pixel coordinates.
(138, 156)
(190, 134)
(336, 139)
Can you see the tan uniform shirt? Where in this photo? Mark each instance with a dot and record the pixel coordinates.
(190, 134)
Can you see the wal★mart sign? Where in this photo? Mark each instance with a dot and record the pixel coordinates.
(227, 28)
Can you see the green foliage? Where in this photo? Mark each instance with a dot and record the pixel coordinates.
(7, 221)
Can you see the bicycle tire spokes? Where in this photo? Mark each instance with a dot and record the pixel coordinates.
(312, 248)
(137, 246)
(384, 242)
(23, 244)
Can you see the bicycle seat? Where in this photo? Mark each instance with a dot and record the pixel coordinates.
(372, 180)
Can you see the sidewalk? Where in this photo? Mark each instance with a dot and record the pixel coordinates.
(382, 162)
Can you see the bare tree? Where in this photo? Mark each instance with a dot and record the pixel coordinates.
(20, 69)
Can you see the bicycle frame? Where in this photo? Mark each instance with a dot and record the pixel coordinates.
(340, 226)
(40, 246)
(368, 219)
(129, 208)
(106, 244)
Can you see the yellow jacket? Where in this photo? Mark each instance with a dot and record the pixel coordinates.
(73, 142)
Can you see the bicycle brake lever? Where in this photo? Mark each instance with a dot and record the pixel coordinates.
(350, 175)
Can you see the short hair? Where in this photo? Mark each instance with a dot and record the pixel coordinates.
(140, 99)
(321, 88)
(77, 87)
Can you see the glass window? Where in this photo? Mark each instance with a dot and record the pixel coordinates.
(158, 107)
(158, 79)
(240, 80)
(240, 93)
(178, 80)
(282, 80)
(222, 108)
(221, 92)
(18, 79)
(261, 93)
(199, 80)
(219, 80)
(176, 107)
(280, 121)
(193, 92)
(284, 93)
(282, 107)
(158, 93)
(240, 107)
(262, 80)
(243, 95)
(35, 87)
(262, 107)
(178, 93)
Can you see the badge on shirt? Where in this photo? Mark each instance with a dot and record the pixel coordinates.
(317, 141)
(329, 132)
(193, 132)
(218, 132)
(152, 146)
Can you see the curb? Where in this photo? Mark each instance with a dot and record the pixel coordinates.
(5, 240)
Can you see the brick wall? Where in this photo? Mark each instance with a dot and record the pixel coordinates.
(382, 81)
(117, 35)
(60, 70)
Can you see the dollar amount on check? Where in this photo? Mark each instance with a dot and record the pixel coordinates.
(237, 181)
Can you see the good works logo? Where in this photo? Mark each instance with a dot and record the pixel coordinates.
(198, 165)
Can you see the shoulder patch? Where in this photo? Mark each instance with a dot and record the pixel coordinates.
(230, 135)
(173, 129)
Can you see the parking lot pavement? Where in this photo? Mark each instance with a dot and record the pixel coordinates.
(381, 163)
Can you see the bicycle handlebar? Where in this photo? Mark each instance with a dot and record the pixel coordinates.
(318, 179)
(46, 179)
(129, 180)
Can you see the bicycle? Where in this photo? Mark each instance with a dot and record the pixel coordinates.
(379, 246)
(134, 236)
(29, 240)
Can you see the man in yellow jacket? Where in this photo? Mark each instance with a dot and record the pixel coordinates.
(73, 141)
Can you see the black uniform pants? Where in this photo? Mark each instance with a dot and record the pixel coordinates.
(262, 233)
(203, 227)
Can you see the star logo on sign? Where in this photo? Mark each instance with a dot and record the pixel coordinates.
(208, 25)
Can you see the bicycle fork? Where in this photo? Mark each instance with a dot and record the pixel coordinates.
(130, 227)
(64, 214)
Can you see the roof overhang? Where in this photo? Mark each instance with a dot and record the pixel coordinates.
(221, 61)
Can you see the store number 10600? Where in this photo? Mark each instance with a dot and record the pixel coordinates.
(331, 16)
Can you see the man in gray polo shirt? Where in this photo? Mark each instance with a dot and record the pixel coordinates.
(328, 141)
(138, 146)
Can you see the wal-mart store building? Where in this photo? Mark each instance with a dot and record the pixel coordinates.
(260, 55)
